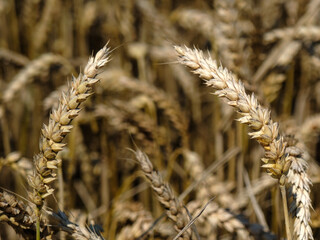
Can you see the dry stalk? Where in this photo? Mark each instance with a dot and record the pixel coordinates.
(12, 57)
(188, 84)
(17, 163)
(60, 125)
(195, 20)
(210, 186)
(284, 45)
(161, 25)
(165, 195)
(43, 27)
(230, 46)
(273, 82)
(258, 186)
(304, 33)
(215, 216)
(124, 117)
(30, 15)
(116, 81)
(276, 160)
(169, 106)
(162, 31)
(37, 68)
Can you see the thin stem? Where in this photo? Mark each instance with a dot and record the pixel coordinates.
(285, 210)
(38, 223)
(61, 196)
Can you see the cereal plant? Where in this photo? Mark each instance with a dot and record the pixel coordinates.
(141, 119)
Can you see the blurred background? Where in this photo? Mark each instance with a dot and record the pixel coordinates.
(146, 100)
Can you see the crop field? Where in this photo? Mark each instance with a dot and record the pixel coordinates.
(160, 119)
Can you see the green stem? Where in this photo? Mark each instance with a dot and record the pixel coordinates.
(285, 210)
(38, 224)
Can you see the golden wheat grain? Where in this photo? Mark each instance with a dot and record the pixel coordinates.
(265, 131)
(277, 160)
(20, 216)
(165, 195)
(134, 222)
(300, 192)
(59, 126)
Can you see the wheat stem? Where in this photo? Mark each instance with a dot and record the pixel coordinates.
(285, 211)
(38, 223)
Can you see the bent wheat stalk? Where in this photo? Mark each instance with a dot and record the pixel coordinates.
(276, 160)
(59, 126)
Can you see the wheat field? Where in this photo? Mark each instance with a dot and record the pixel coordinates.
(168, 119)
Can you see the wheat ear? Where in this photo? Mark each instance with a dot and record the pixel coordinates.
(214, 216)
(20, 216)
(58, 127)
(76, 231)
(276, 160)
(17, 163)
(36, 68)
(165, 195)
(299, 190)
(265, 131)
